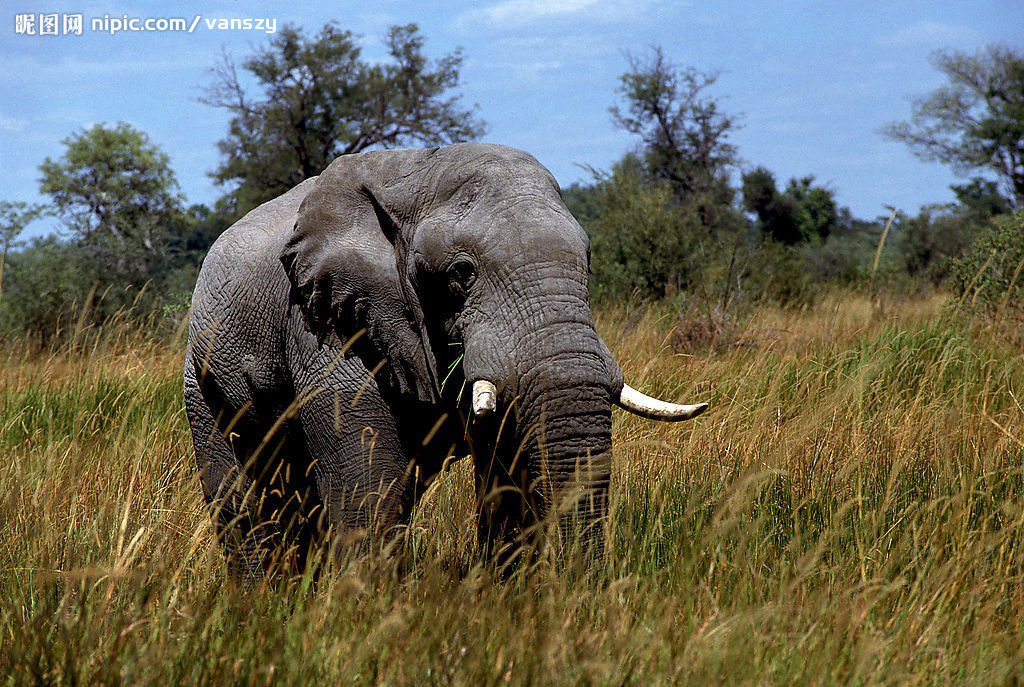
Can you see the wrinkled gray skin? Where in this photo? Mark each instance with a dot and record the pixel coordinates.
(424, 250)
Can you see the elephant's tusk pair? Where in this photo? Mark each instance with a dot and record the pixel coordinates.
(485, 401)
(645, 406)
(485, 397)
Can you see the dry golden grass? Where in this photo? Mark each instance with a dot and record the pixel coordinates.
(851, 509)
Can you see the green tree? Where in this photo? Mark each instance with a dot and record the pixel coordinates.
(321, 99)
(14, 217)
(683, 131)
(976, 121)
(116, 193)
(642, 242)
(803, 212)
(817, 213)
(980, 200)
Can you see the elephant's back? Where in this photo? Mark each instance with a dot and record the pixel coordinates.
(253, 243)
(240, 303)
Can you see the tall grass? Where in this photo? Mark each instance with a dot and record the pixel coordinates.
(850, 510)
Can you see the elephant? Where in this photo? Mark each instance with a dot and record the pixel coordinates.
(401, 310)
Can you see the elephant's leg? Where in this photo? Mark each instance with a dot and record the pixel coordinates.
(261, 512)
(226, 486)
(366, 479)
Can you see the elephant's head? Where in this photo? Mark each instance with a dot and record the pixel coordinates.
(468, 250)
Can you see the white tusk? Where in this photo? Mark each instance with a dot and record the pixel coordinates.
(645, 406)
(485, 397)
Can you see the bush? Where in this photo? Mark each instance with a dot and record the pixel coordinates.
(989, 276)
(53, 290)
(931, 241)
(778, 274)
(44, 289)
(642, 243)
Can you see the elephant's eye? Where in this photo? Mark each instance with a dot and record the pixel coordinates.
(461, 275)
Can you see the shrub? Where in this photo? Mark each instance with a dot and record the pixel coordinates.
(642, 242)
(989, 276)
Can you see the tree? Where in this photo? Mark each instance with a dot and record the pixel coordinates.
(320, 99)
(14, 217)
(203, 227)
(817, 213)
(980, 200)
(976, 121)
(116, 193)
(776, 214)
(684, 132)
(803, 212)
(642, 242)
(929, 242)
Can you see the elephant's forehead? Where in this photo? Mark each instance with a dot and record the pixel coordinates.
(523, 228)
(507, 210)
(535, 241)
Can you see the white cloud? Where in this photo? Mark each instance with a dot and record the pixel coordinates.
(567, 46)
(12, 125)
(517, 13)
(932, 35)
(524, 11)
(535, 69)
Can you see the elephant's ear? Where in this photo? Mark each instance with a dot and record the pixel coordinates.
(345, 261)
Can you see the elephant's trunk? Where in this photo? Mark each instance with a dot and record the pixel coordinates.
(554, 452)
(543, 388)
(565, 429)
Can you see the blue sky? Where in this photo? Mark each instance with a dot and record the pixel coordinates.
(811, 82)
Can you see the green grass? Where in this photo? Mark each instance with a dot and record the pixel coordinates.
(851, 510)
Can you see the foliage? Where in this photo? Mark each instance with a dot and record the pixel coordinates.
(683, 131)
(46, 290)
(990, 276)
(980, 200)
(846, 257)
(817, 213)
(186, 249)
(975, 121)
(113, 187)
(929, 242)
(129, 244)
(116, 193)
(321, 99)
(14, 217)
(778, 273)
(803, 212)
(662, 220)
(848, 512)
(642, 243)
(645, 244)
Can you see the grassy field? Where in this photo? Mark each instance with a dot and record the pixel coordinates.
(850, 510)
